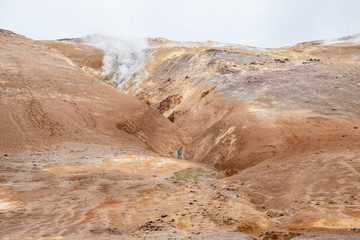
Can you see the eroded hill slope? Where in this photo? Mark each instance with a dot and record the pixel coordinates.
(46, 98)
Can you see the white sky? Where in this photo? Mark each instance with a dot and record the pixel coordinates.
(261, 23)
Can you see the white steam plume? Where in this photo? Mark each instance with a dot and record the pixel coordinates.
(121, 55)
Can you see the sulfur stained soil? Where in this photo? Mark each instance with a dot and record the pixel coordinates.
(92, 191)
(69, 191)
(271, 143)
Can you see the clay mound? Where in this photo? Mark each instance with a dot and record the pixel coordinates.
(46, 98)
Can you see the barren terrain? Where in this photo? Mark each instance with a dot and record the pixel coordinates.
(271, 142)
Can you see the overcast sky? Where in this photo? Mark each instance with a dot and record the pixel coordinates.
(261, 23)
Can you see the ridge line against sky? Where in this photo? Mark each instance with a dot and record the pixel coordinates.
(260, 23)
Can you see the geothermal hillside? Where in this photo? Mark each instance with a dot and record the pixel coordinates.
(90, 128)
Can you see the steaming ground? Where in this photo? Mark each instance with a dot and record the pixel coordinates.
(122, 57)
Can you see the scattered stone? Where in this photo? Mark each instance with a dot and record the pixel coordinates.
(274, 214)
(231, 188)
(157, 225)
(357, 230)
(270, 235)
(5, 155)
(164, 216)
(314, 60)
(205, 93)
(280, 60)
(227, 70)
